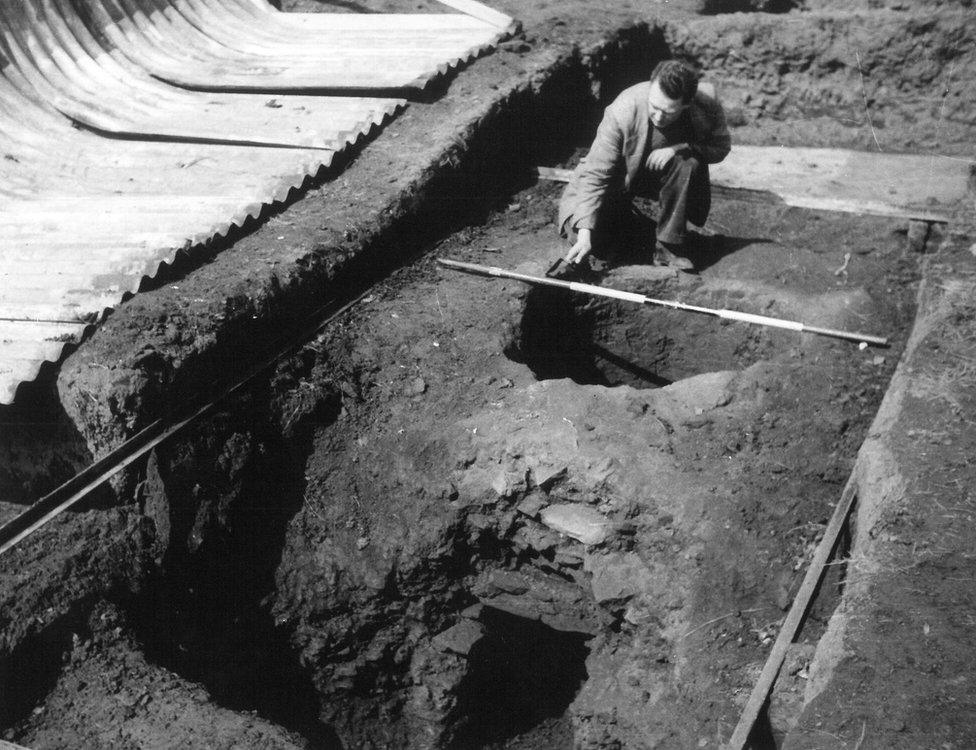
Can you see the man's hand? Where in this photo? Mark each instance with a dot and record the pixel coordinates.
(659, 158)
(582, 247)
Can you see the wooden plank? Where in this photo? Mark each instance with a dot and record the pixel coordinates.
(794, 618)
(900, 185)
(903, 185)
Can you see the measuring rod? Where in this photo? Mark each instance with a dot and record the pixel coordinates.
(641, 299)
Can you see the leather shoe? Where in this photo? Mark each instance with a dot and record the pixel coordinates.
(664, 256)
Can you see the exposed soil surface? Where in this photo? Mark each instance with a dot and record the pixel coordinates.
(703, 498)
(472, 513)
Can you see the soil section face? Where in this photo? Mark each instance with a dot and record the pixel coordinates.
(444, 515)
(905, 618)
(669, 525)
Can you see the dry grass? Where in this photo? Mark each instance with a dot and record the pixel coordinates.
(950, 375)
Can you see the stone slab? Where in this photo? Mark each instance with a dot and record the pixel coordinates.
(581, 522)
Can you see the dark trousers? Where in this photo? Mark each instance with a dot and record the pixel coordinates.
(683, 193)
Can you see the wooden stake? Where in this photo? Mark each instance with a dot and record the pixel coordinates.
(794, 618)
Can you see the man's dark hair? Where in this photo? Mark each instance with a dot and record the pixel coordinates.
(677, 80)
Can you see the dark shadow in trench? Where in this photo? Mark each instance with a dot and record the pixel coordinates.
(652, 379)
(522, 672)
(555, 341)
(714, 7)
(762, 737)
(32, 670)
(705, 251)
(204, 617)
(40, 447)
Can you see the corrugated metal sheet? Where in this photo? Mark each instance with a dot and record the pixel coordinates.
(244, 45)
(83, 217)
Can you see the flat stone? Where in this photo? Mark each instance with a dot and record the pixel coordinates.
(507, 483)
(520, 606)
(532, 503)
(568, 624)
(617, 576)
(545, 476)
(570, 558)
(511, 583)
(473, 612)
(460, 638)
(537, 537)
(580, 522)
(695, 396)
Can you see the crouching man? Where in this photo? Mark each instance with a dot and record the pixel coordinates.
(656, 140)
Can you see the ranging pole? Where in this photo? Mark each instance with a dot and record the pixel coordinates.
(640, 299)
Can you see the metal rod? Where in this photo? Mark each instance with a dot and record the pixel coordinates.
(641, 299)
(82, 484)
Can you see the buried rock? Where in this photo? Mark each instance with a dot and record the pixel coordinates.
(460, 638)
(581, 522)
(616, 577)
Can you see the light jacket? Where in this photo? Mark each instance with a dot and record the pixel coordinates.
(616, 156)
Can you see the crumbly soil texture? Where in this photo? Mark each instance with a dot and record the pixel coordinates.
(476, 513)
(500, 507)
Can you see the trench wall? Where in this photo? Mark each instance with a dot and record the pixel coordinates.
(909, 568)
(873, 79)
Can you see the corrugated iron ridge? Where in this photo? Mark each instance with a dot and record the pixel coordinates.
(345, 137)
(145, 34)
(283, 191)
(56, 54)
(506, 25)
(286, 190)
(29, 367)
(471, 54)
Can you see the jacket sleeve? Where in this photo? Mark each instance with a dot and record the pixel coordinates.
(603, 165)
(714, 142)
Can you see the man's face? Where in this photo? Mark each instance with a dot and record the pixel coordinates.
(662, 108)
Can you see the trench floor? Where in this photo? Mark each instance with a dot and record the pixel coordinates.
(728, 503)
(437, 467)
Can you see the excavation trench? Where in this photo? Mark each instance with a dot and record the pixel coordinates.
(474, 513)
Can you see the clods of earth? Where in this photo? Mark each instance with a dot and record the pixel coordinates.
(497, 505)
